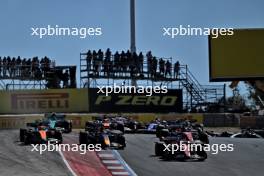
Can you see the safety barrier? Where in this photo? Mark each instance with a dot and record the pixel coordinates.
(252, 121)
(42, 101)
(17, 121)
(78, 120)
(221, 120)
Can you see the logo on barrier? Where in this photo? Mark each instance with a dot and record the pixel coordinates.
(39, 101)
(136, 102)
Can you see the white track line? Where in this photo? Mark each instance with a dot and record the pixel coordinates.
(124, 163)
(115, 167)
(111, 161)
(67, 164)
(120, 173)
(106, 155)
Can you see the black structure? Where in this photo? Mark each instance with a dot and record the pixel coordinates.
(99, 68)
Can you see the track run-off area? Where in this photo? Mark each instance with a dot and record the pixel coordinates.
(138, 158)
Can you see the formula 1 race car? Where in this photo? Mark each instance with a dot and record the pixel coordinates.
(185, 139)
(247, 133)
(104, 133)
(40, 135)
(58, 121)
(165, 127)
(122, 123)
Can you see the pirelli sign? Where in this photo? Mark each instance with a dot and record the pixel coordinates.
(115, 103)
(39, 101)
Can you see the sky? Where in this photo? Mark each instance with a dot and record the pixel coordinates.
(17, 17)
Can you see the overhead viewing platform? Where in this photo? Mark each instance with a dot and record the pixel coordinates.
(125, 68)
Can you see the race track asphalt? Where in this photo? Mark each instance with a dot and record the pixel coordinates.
(18, 160)
(247, 159)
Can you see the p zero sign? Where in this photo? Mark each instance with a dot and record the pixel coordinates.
(115, 103)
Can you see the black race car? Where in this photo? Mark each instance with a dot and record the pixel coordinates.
(103, 132)
(41, 134)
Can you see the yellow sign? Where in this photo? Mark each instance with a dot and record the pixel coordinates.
(41, 101)
(237, 57)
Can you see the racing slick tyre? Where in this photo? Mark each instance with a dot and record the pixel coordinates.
(58, 135)
(120, 127)
(202, 154)
(158, 130)
(83, 138)
(68, 127)
(27, 140)
(22, 133)
(122, 141)
(159, 149)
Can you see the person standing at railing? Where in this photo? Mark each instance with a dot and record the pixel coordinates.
(154, 67)
(123, 62)
(141, 62)
(4, 66)
(18, 66)
(161, 66)
(176, 69)
(94, 61)
(100, 60)
(117, 62)
(1, 66)
(168, 68)
(108, 54)
(149, 63)
(8, 65)
(13, 67)
(89, 58)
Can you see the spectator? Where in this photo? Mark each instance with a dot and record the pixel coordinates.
(154, 67)
(4, 66)
(108, 54)
(89, 58)
(123, 61)
(168, 68)
(176, 69)
(100, 60)
(12, 67)
(18, 66)
(94, 60)
(8, 65)
(66, 79)
(1, 66)
(141, 62)
(117, 62)
(161, 66)
(149, 63)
